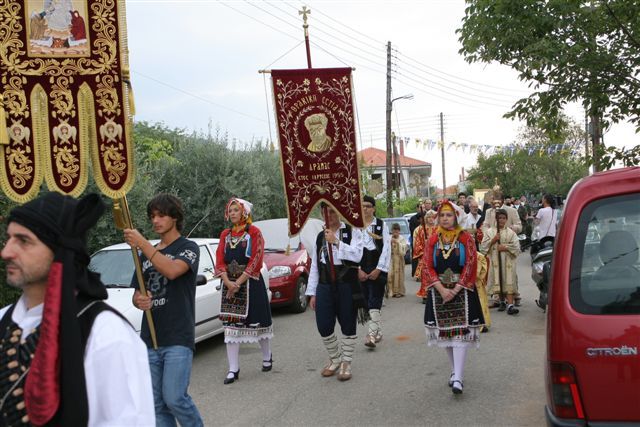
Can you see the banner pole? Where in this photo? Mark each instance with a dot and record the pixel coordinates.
(325, 214)
(304, 12)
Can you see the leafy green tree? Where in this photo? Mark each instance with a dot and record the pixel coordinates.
(582, 51)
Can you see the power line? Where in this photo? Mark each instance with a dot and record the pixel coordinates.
(454, 76)
(374, 53)
(510, 97)
(196, 96)
(315, 36)
(444, 91)
(346, 26)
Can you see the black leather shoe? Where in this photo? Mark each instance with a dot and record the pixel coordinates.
(236, 375)
(456, 388)
(512, 310)
(503, 306)
(267, 364)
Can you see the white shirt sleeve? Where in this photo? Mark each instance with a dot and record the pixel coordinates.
(314, 274)
(385, 256)
(353, 250)
(117, 374)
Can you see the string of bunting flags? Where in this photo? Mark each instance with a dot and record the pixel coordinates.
(487, 149)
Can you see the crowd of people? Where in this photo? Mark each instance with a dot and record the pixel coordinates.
(463, 256)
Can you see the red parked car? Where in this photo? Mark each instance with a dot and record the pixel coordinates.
(288, 271)
(593, 324)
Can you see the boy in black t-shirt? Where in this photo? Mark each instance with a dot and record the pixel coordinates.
(169, 270)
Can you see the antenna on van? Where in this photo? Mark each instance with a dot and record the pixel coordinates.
(198, 223)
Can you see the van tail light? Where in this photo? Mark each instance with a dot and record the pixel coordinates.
(565, 396)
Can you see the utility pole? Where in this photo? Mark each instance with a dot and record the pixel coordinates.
(444, 179)
(396, 165)
(586, 134)
(389, 103)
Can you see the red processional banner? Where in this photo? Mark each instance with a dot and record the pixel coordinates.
(64, 97)
(316, 128)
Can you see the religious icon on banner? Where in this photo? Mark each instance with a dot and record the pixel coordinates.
(315, 117)
(65, 97)
(57, 28)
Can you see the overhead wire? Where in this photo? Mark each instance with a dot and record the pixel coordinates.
(493, 94)
(319, 28)
(435, 70)
(201, 98)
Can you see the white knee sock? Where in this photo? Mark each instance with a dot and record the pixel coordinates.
(375, 322)
(233, 356)
(348, 346)
(331, 344)
(449, 351)
(459, 358)
(265, 346)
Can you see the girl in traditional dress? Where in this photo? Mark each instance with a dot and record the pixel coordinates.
(453, 316)
(420, 237)
(395, 281)
(245, 310)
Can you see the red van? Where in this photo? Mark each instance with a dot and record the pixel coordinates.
(593, 323)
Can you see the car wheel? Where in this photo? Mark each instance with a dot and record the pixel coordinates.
(300, 301)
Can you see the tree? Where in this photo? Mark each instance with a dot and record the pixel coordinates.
(582, 51)
(543, 162)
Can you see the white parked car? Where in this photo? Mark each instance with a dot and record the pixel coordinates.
(115, 265)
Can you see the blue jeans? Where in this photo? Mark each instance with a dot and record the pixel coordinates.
(335, 301)
(170, 374)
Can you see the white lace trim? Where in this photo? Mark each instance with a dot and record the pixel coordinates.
(247, 335)
(472, 339)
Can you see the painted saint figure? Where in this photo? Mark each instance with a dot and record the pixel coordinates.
(316, 124)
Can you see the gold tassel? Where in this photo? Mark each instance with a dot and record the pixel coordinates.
(288, 251)
(126, 76)
(4, 135)
(132, 105)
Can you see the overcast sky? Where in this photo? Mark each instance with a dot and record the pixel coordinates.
(196, 61)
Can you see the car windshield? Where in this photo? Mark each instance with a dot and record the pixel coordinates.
(116, 266)
(605, 267)
(402, 222)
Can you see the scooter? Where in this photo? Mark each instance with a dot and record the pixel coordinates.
(541, 271)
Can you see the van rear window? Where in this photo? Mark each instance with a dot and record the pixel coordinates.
(605, 266)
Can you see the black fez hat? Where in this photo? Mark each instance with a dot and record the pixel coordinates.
(56, 384)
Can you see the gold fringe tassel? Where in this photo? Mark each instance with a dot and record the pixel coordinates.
(126, 76)
(132, 105)
(4, 135)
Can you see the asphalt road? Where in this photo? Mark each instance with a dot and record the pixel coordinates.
(402, 382)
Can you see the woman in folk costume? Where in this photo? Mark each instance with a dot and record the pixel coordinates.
(452, 316)
(502, 247)
(245, 309)
(420, 237)
(395, 281)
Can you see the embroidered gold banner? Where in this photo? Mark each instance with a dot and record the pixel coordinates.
(64, 97)
(316, 128)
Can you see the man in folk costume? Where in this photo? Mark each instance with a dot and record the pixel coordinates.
(335, 292)
(67, 357)
(501, 246)
(374, 266)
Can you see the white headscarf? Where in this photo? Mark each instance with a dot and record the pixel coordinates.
(246, 207)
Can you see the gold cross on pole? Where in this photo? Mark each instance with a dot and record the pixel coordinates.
(304, 12)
